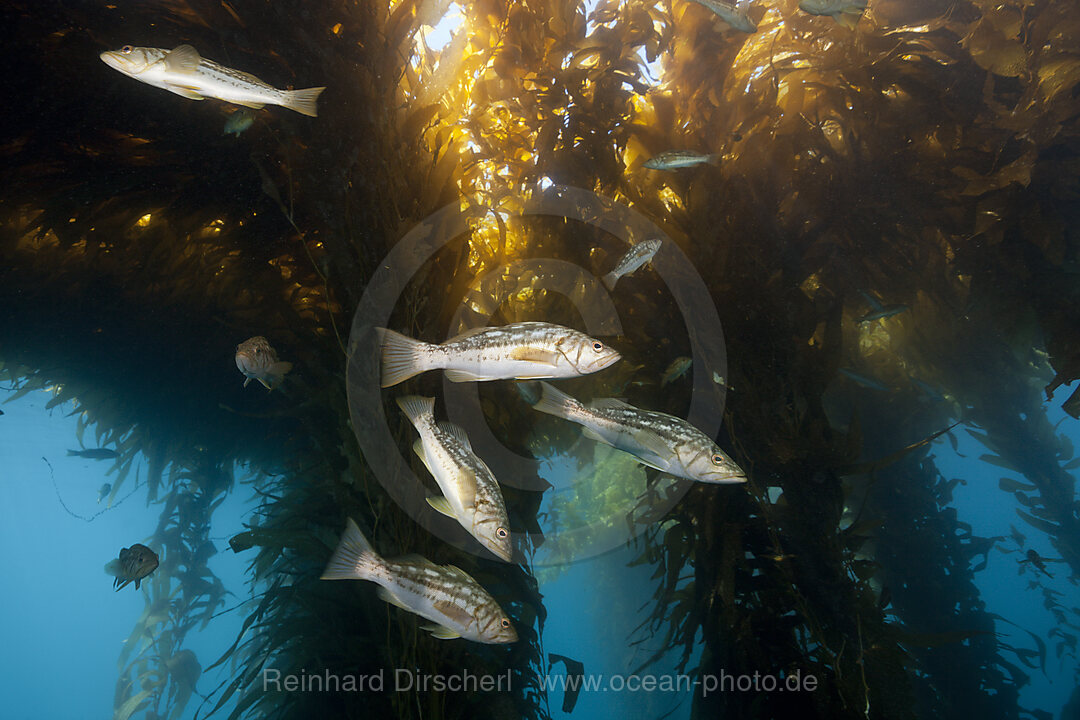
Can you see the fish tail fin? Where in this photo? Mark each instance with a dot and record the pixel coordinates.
(417, 408)
(713, 158)
(354, 558)
(402, 357)
(609, 280)
(303, 101)
(73, 452)
(556, 402)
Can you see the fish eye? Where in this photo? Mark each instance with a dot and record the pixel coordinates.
(717, 459)
(505, 623)
(598, 346)
(126, 49)
(501, 533)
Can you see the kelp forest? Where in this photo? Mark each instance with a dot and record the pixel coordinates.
(923, 156)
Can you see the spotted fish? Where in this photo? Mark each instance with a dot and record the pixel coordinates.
(444, 594)
(637, 256)
(661, 441)
(258, 361)
(470, 493)
(521, 351)
(184, 72)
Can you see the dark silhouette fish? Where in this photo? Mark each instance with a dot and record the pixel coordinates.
(95, 453)
(134, 564)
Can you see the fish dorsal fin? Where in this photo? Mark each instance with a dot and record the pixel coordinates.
(442, 505)
(418, 448)
(610, 404)
(536, 355)
(442, 632)
(469, 333)
(414, 559)
(457, 432)
(458, 573)
(389, 597)
(182, 58)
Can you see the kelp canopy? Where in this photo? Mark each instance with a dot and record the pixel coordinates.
(930, 157)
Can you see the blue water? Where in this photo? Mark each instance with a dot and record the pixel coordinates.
(63, 625)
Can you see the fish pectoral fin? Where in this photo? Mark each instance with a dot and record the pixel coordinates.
(184, 91)
(464, 376)
(442, 505)
(182, 58)
(848, 19)
(457, 432)
(246, 381)
(593, 435)
(459, 573)
(650, 463)
(536, 355)
(389, 597)
(441, 631)
(652, 443)
(266, 384)
(252, 105)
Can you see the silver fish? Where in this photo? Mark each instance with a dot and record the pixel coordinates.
(634, 258)
(863, 380)
(661, 441)
(675, 159)
(883, 312)
(676, 370)
(521, 351)
(734, 14)
(239, 121)
(845, 12)
(258, 361)
(444, 594)
(470, 493)
(184, 72)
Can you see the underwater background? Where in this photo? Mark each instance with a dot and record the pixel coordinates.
(880, 207)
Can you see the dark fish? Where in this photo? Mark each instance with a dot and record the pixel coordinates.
(134, 563)
(1, 412)
(104, 492)
(574, 669)
(95, 454)
(887, 311)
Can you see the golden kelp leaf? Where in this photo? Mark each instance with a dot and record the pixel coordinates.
(994, 51)
(1018, 171)
(1058, 75)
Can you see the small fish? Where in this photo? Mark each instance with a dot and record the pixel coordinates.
(239, 121)
(184, 72)
(661, 441)
(258, 361)
(884, 312)
(521, 351)
(719, 380)
(1036, 562)
(933, 393)
(104, 492)
(134, 564)
(675, 159)
(470, 493)
(676, 370)
(1, 412)
(734, 14)
(444, 594)
(635, 257)
(845, 12)
(863, 380)
(95, 454)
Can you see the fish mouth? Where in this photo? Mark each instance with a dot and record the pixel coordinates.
(244, 362)
(117, 61)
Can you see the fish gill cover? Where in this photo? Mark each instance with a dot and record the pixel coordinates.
(929, 155)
